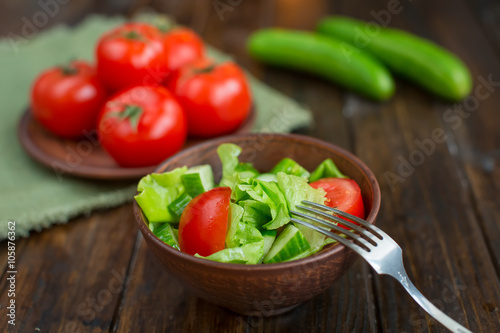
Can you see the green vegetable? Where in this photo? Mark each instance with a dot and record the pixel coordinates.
(412, 57)
(167, 234)
(198, 179)
(289, 243)
(296, 189)
(234, 223)
(246, 170)
(332, 59)
(267, 177)
(269, 237)
(290, 167)
(177, 206)
(228, 154)
(247, 254)
(255, 213)
(269, 194)
(157, 191)
(326, 169)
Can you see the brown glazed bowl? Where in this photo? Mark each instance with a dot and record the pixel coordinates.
(265, 289)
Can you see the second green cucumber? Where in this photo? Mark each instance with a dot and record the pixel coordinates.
(412, 57)
(333, 59)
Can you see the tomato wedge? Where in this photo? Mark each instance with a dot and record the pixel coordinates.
(343, 194)
(203, 224)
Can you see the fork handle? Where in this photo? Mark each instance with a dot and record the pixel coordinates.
(430, 308)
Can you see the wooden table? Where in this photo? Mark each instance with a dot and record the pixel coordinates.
(96, 274)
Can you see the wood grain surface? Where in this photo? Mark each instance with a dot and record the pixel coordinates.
(96, 274)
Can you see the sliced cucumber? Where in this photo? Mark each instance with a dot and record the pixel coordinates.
(246, 170)
(267, 177)
(290, 243)
(168, 234)
(290, 167)
(177, 206)
(269, 237)
(198, 179)
(326, 169)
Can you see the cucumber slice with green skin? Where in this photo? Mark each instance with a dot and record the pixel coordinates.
(167, 234)
(198, 179)
(326, 169)
(246, 170)
(290, 167)
(269, 237)
(290, 243)
(267, 177)
(177, 206)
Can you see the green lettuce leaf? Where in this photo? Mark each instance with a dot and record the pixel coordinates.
(236, 213)
(269, 194)
(240, 233)
(228, 155)
(255, 213)
(249, 253)
(327, 169)
(157, 191)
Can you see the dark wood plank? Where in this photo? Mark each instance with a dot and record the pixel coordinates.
(70, 278)
(432, 215)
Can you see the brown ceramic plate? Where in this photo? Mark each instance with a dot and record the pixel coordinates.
(84, 158)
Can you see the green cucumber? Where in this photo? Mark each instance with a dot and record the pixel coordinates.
(289, 244)
(327, 169)
(417, 59)
(290, 167)
(269, 237)
(267, 177)
(332, 59)
(198, 179)
(168, 234)
(246, 170)
(177, 206)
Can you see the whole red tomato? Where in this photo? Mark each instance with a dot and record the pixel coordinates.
(343, 194)
(203, 224)
(216, 97)
(142, 126)
(66, 100)
(182, 46)
(132, 54)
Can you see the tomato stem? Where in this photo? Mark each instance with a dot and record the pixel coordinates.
(133, 35)
(206, 69)
(131, 112)
(69, 69)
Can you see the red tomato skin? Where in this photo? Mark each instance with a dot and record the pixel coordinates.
(343, 194)
(161, 129)
(132, 54)
(203, 224)
(68, 104)
(216, 98)
(182, 46)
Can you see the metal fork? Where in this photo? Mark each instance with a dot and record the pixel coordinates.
(375, 246)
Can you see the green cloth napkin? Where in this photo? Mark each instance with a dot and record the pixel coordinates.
(31, 194)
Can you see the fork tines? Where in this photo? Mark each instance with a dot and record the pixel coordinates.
(331, 218)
